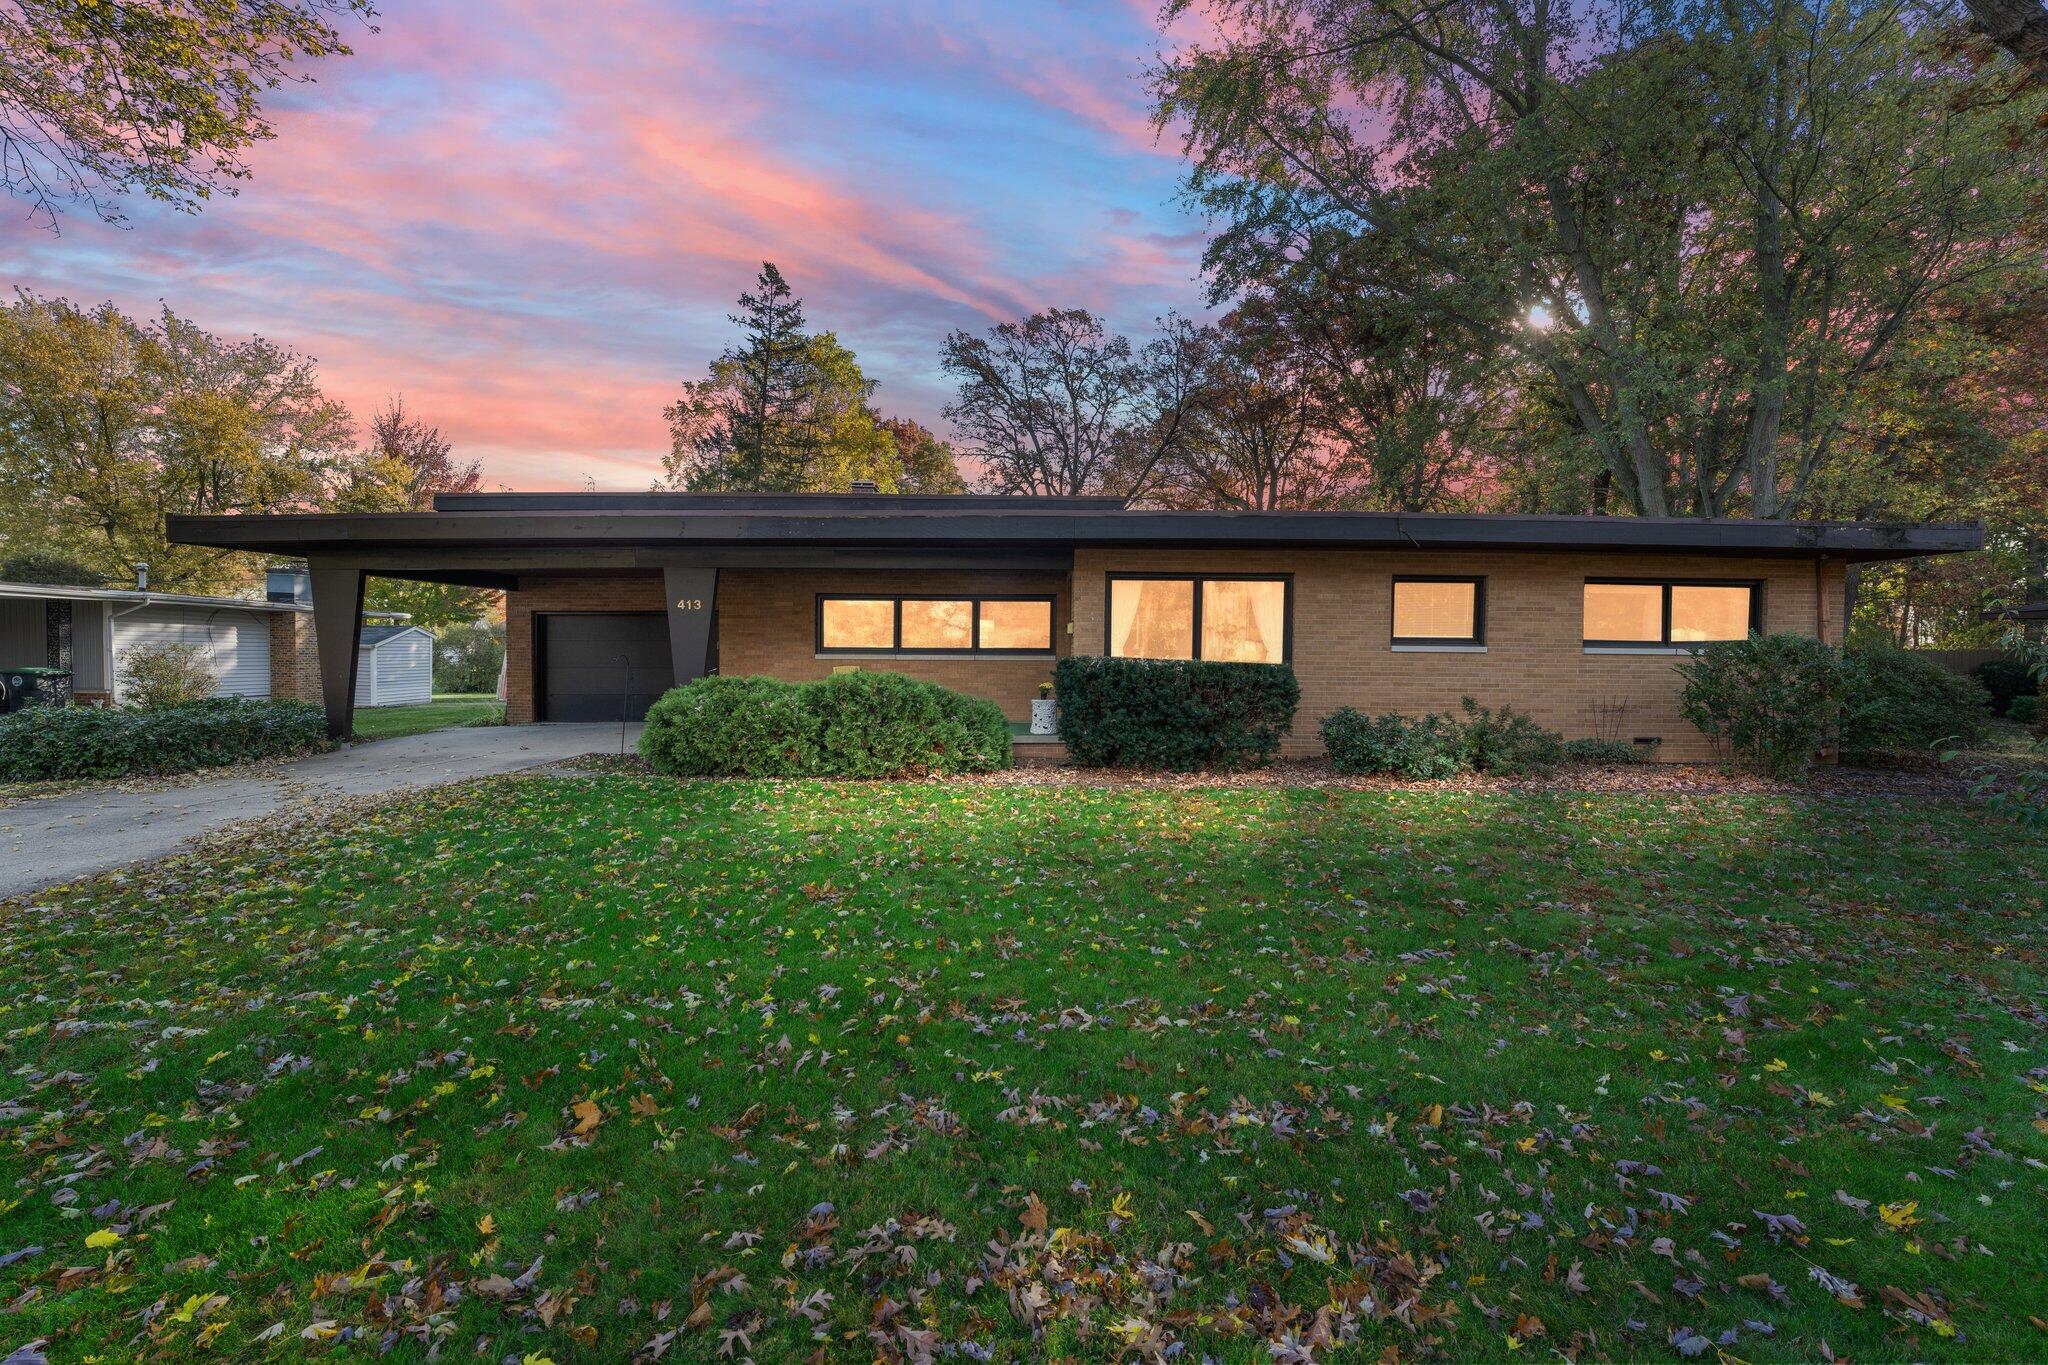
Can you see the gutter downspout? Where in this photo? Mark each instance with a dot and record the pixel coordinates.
(113, 667)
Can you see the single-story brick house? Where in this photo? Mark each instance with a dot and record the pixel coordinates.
(611, 598)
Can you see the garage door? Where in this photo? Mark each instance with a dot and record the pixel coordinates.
(592, 667)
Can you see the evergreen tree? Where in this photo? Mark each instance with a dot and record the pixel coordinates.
(782, 411)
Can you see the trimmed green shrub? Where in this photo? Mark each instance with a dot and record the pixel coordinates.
(1508, 742)
(1179, 715)
(1505, 742)
(886, 725)
(1429, 748)
(45, 743)
(2026, 710)
(2007, 681)
(1603, 752)
(1771, 701)
(732, 727)
(1896, 699)
(866, 724)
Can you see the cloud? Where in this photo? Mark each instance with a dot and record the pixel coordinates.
(534, 228)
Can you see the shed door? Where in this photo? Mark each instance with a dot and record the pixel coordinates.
(602, 667)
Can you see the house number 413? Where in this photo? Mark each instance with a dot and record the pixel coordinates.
(690, 604)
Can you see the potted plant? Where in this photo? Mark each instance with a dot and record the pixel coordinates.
(1044, 715)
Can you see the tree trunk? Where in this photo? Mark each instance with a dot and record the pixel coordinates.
(2018, 26)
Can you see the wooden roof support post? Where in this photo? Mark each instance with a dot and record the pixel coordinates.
(337, 631)
(692, 610)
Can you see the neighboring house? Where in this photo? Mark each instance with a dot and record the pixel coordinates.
(257, 649)
(612, 598)
(397, 666)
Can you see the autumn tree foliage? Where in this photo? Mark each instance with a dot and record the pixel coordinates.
(785, 410)
(1058, 405)
(109, 423)
(1705, 240)
(160, 99)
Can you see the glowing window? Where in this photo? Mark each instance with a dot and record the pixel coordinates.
(1437, 611)
(938, 625)
(1014, 625)
(1668, 615)
(1233, 620)
(857, 623)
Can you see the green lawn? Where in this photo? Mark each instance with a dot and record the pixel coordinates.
(445, 710)
(570, 1068)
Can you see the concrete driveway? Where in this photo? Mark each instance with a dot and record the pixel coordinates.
(61, 837)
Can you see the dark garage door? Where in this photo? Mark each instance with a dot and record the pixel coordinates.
(593, 665)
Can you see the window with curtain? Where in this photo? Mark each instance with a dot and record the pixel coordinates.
(1653, 614)
(934, 625)
(1231, 620)
(1438, 611)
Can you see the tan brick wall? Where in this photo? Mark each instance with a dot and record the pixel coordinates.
(637, 593)
(767, 625)
(1343, 607)
(1343, 611)
(294, 658)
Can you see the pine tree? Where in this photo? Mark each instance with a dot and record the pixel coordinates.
(767, 424)
(782, 411)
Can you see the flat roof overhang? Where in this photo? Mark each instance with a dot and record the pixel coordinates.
(511, 541)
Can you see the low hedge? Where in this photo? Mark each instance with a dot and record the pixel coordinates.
(848, 725)
(1895, 699)
(2007, 681)
(2024, 710)
(1178, 715)
(1506, 742)
(46, 743)
(1426, 748)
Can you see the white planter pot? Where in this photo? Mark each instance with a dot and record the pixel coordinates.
(1045, 717)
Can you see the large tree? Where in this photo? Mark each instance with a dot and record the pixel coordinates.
(404, 466)
(161, 99)
(785, 410)
(1056, 404)
(108, 424)
(925, 464)
(1703, 234)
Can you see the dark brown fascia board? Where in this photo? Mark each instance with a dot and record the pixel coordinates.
(2032, 611)
(837, 504)
(426, 532)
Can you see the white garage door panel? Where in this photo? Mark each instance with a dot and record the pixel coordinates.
(235, 642)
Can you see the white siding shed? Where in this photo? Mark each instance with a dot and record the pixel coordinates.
(396, 667)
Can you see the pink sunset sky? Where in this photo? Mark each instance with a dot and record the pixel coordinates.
(531, 219)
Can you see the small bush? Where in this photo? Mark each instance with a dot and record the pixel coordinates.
(157, 677)
(45, 743)
(467, 658)
(1896, 699)
(849, 725)
(1602, 752)
(2026, 710)
(732, 727)
(1173, 714)
(1428, 749)
(1508, 742)
(2006, 681)
(887, 725)
(1771, 701)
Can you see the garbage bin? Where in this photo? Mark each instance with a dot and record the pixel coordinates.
(26, 687)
